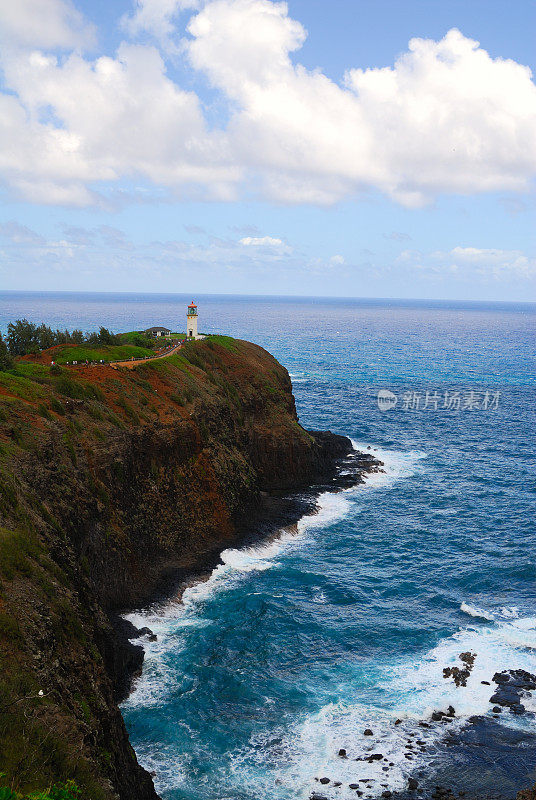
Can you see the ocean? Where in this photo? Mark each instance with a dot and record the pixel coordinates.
(292, 648)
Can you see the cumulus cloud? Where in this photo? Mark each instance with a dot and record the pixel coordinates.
(446, 117)
(266, 244)
(157, 17)
(121, 117)
(44, 23)
(261, 241)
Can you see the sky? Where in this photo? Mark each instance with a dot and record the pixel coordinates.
(358, 148)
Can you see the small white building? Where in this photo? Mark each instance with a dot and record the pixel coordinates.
(191, 322)
(157, 331)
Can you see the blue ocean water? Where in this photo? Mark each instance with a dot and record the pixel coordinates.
(292, 648)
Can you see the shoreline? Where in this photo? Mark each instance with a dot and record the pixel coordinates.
(462, 738)
(277, 511)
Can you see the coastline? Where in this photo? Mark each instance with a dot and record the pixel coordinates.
(277, 511)
(118, 484)
(164, 491)
(460, 742)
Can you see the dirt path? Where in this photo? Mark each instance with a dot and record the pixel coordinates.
(131, 364)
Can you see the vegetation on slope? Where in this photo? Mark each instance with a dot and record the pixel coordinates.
(108, 477)
(116, 352)
(65, 791)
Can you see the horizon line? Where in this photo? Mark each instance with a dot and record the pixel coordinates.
(268, 296)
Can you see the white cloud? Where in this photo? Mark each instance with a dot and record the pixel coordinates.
(44, 23)
(445, 118)
(120, 118)
(475, 261)
(266, 244)
(492, 261)
(261, 241)
(336, 260)
(157, 17)
(104, 250)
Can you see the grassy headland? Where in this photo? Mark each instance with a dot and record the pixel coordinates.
(111, 480)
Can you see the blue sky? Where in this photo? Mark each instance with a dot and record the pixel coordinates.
(251, 146)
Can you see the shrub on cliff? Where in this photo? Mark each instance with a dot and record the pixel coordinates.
(64, 791)
(24, 337)
(104, 336)
(6, 362)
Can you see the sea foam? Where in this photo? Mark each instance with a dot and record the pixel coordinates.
(169, 620)
(397, 464)
(475, 612)
(411, 691)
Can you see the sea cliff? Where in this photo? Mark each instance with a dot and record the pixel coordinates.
(115, 484)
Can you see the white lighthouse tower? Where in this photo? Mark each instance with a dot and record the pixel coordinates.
(191, 322)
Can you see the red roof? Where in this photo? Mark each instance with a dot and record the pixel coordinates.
(192, 305)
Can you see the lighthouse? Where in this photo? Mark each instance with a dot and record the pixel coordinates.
(191, 322)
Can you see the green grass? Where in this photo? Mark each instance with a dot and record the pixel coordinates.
(18, 549)
(20, 386)
(113, 352)
(129, 336)
(65, 791)
(226, 341)
(28, 369)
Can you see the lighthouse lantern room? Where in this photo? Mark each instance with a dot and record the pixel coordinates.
(191, 322)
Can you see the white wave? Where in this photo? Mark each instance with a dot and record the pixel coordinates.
(340, 726)
(410, 692)
(397, 464)
(170, 621)
(331, 507)
(509, 612)
(476, 612)
(167, 764)
(525, 623)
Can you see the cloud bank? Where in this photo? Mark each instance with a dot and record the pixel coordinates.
(446, 117)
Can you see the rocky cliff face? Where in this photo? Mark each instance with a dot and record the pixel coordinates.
(114, 483)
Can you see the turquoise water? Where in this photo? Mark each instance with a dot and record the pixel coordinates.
(292, 648)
